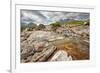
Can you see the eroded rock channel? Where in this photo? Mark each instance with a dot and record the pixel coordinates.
(63, 45)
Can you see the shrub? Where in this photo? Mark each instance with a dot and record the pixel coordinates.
(55, 25)
(40, 27)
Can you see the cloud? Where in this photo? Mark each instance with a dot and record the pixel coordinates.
(47, 17)
(31, 16)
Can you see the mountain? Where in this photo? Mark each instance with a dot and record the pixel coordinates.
(29, 25)
(65, 20)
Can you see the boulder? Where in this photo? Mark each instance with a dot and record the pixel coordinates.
(42, 35)
(44, 55)
(61, 56)
(39, 45)
(27, 51)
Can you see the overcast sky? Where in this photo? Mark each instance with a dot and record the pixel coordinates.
(47, 17)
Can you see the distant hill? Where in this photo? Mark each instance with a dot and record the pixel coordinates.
(30, 25)
(65, 20)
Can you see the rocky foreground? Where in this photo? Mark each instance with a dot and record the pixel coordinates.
(65, 44)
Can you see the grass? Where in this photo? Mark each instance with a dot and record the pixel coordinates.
(75, 22)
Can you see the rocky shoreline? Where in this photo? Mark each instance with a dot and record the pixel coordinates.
(65, 44)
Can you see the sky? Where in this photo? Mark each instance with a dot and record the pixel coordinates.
(47, 17)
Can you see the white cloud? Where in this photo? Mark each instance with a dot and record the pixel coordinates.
(46, 17)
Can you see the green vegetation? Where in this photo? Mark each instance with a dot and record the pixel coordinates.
(75, 22)
(56, 24)
(40, 27)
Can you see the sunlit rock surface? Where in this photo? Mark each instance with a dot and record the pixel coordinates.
(61, 56)
(70, 43)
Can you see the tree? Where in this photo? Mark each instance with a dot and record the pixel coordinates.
(41, 26)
